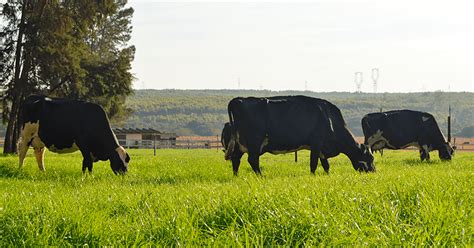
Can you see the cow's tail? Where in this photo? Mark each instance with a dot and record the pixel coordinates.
(231, 110)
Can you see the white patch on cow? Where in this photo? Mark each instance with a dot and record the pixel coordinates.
(122, 154)
(375, 138)
(330, 124)
(241, 147)
(379, 145)
(29, 133)
(378, 142)
(36, 142)
(425, 118)
(73, 148)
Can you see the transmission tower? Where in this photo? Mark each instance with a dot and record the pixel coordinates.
(358, 79)
(375, 77)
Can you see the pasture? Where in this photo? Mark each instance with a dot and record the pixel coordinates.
(190, 197)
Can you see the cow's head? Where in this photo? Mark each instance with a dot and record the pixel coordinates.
(363, 160)
(225, 136)
(446, 152)
(227, 141)
(119, 161)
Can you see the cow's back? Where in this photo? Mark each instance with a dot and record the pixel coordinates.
(287, 122)
(402, 127)
(63, 125)
(293, 120)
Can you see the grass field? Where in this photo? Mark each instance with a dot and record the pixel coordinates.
(189, 197)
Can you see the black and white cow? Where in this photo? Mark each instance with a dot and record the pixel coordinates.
(65, 126)
(399, 129)
(289, 123)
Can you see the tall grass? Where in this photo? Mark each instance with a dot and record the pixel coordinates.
(189, 197)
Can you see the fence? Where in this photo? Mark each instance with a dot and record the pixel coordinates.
(173, 144)
(462, 144)
(213, 142)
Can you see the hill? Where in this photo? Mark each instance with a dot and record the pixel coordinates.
(203, 112)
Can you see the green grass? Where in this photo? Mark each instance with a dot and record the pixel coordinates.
(189, 197)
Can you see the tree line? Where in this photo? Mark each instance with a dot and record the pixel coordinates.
(203, 112)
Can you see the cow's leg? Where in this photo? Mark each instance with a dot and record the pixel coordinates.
(425, 147)
(39, 154)
(22, 150)
(87, 161)
(254, 150)
(313, 160)
(424, 153)
(253, 160)
(26, 138)
(315, 154)
(236, 156)
(325, 164)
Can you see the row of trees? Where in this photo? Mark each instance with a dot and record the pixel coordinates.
(203, 112)
(64, 48)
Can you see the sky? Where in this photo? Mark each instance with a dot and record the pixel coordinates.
(417, 45)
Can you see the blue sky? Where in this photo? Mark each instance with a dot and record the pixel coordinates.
(417, 45)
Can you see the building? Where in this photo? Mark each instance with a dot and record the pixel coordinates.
(143, 137)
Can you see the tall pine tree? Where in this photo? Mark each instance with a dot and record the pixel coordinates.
(64, 48)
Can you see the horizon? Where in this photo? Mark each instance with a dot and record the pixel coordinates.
(310, 91)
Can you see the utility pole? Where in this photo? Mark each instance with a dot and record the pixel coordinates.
(375, 77)
(449, 123)
(358, 79)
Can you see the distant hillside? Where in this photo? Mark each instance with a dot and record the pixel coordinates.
(203, 112)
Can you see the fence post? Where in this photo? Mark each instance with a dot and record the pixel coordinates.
(296, 156)
(154, 145)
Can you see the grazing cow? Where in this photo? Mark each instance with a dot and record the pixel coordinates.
(399, 129)
(289, 123)
(65, 126)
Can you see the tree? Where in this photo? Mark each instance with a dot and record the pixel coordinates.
(64, 48)
(466, 132)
